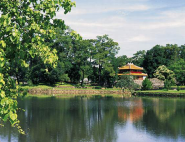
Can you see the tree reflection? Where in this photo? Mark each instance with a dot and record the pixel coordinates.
(97, 120)
(134, 112)
(163, 117)
(56, 120)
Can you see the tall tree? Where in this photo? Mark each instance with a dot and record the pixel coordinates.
(163, 73)
(138, 58)
(178, 68)
(81, 55)
(153, 59)
(182, 51)
(122, 60)
(24, 26)
(106, 49)
(161, 55)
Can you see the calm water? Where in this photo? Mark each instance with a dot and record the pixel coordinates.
(99, 120)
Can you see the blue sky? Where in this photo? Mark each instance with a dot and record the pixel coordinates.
(134, 24)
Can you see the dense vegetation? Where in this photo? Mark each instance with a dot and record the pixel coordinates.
(36, 48)
(77, 59)
(25, 28)
(95, 59)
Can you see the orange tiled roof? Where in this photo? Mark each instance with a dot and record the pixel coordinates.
(134, 74)
(130, 66)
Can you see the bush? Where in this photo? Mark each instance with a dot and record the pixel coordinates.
(178, 88)
(98, 87)
(167, 84)
(127, 82)
(30, 83)
(83, 86)
(77, 86)
(147, 84)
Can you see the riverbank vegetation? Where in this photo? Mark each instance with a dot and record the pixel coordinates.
(161, 93)
(37, 49)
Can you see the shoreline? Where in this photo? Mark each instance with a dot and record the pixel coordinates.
(80, 96)
(159, 93)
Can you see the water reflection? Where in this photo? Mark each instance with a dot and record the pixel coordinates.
(98, 120)
(134, 113)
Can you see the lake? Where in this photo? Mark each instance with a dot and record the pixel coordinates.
(99, 120)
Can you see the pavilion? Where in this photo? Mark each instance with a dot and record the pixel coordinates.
(133, 70)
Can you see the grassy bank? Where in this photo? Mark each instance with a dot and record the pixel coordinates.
(161, 93)
(65, 87)
(69, 90)
(80, 96)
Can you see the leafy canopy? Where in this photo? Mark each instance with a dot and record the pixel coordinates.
(179, 69)
(127, 82)
(163, 73)
(24, 27)
(146, 84)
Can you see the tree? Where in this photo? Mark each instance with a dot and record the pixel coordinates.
(122, 60)
(153, 59)
(138, 58)
(160, 55)
(163, 73)
(24, 27)
(167, 84)
(146, 84)
(178, 68)
(80, 58)
(105, 50)
(127, 82)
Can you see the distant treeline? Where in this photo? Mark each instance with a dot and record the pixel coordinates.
(172, 56)
(96, 60)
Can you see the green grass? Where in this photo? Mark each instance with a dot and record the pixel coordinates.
(164, 91)
(44, 86)
(80, 96)
(176, 86)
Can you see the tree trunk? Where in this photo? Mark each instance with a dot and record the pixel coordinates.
(17, 76)
(99, 75)
(82, 78)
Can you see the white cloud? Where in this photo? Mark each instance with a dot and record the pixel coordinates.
(161, 25)
(95, 25)
(167, 19)
(140, 38)
(134, 32)
(105, 9)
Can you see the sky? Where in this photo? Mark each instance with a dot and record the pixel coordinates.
(134, 24)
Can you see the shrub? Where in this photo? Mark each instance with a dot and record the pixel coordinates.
(127, 82)
(146, 84)
(98, 87)
(77, 86)
(178, 88)
(167, 84)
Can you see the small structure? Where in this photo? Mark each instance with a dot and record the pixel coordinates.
(133, 70)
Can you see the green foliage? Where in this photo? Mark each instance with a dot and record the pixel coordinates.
(163, 73)
(127, 82)
(138, 58)
(24, 27)
(146, 84)
(105, 50)
(122, 60)
(179, 69)
(160, 55)
(98, 87)
(178, 88)
(167, 84)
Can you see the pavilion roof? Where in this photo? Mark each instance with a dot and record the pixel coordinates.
(130, 66)
(134, 74)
